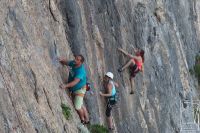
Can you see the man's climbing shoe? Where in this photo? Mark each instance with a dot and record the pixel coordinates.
(132, 92)
(85, 122)
(111, 128)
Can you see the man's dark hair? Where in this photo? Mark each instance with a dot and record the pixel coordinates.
(82, 58)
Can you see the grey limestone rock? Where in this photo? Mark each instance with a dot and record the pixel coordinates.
(34, 33)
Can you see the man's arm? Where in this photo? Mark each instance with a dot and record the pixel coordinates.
(70, 84)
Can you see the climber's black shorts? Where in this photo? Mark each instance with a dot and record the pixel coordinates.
(110, 104)
(133, 70)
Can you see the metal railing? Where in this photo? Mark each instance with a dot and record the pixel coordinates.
(189, 116)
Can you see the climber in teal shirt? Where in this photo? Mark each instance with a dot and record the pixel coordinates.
(77, 85)
(77, 72)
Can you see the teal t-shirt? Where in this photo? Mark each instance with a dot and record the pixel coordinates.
(79, 73)
(113, 88)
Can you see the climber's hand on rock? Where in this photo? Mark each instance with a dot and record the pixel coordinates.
(62, 60)
(62, 86)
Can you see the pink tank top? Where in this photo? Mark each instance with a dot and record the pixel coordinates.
(138, 63)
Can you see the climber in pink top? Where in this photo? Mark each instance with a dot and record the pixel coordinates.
(135, 64)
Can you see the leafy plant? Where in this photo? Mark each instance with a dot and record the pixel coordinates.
(198, 59)
(191, 70)
(197, 72)
(66, 111)
(98, 129)
(197, 68)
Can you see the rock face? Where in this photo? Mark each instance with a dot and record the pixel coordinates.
(34, 33)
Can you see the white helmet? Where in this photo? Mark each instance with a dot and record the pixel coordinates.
(110, 75)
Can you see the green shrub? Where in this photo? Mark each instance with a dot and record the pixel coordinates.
(191, 70)
(197, 71)
(98, 129)
(66, 111)
(197, 58)
(197, 68)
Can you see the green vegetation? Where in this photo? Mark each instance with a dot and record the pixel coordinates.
(197, 72)
(98, 129)
(191, 71)
(196, 68)
(66, 111)
(198, 58)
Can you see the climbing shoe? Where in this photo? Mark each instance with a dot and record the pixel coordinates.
(132, 92)
(111, 128)
(85, 122)
(119, 70)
